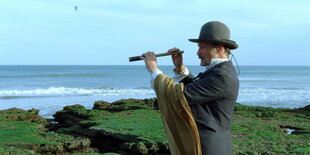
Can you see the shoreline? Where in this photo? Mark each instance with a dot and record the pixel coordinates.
(98, 130)
(47, 112)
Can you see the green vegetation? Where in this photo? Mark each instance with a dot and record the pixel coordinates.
(23, 132)
(140, 123)
(263, 130)
(133, 126)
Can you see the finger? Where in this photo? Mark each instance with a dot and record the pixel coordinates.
(173, 50)
(142, 58)
(152, 54)
(177, 55)
(146, 55)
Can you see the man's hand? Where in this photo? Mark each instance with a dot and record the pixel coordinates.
(150, 61)
(177, 60)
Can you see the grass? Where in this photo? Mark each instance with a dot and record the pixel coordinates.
(127, 119)
(262, 130)
(21, 135)
(255, 130)
(139, 123)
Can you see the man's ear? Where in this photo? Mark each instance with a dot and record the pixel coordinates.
(219, 49)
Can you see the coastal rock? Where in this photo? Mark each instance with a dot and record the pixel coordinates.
(24, 132)
(64, 144)
(128, 126)
(134, 127)
(307, 107)
(69, 119)
(32, 115)
(101, 105)
(255, 111)
(125, 104)
(263, 130)
(17, 114)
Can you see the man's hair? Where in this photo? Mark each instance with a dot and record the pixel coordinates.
(227, 50)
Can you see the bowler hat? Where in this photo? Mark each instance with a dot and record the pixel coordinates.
(216, 32)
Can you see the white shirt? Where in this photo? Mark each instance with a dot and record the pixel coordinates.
(180, 76)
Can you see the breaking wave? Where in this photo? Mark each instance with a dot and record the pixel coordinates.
(64, 91)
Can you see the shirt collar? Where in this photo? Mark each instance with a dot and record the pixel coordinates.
(215, 61)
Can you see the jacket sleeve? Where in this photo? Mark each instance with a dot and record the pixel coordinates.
(209, 88)
(188, 79)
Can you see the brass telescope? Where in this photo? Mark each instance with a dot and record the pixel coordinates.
(137, 58)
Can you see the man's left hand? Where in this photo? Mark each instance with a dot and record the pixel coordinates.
(150, 61)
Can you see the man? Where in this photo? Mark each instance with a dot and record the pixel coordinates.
(212, 94)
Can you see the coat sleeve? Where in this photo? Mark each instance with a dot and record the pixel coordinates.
(209, 88)
(188, 79)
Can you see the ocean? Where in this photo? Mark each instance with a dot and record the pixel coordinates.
(50, 88)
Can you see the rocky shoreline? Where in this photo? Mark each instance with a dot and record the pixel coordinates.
(134, 126)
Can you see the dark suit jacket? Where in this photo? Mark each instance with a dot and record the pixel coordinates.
(212, 96)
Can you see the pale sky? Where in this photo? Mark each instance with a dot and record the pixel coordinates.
(107, 32)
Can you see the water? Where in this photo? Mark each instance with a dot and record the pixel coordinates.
(275, 86)
(50, 88)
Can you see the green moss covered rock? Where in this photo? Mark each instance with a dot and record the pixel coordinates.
(134, 126)
(129, 125)
(24, 132)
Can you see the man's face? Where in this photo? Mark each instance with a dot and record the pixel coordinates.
(206, 52)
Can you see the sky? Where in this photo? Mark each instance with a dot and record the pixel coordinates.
(107, 32)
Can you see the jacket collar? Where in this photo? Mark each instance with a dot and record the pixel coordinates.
(224, 65)
(216, 61)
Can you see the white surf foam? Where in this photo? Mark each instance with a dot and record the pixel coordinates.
(65, 91)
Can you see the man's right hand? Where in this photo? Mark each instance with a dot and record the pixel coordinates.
(177, 60)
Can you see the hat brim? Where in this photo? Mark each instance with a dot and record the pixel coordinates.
(227, 43)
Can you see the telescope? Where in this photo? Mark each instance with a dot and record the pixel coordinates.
(137, 58)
